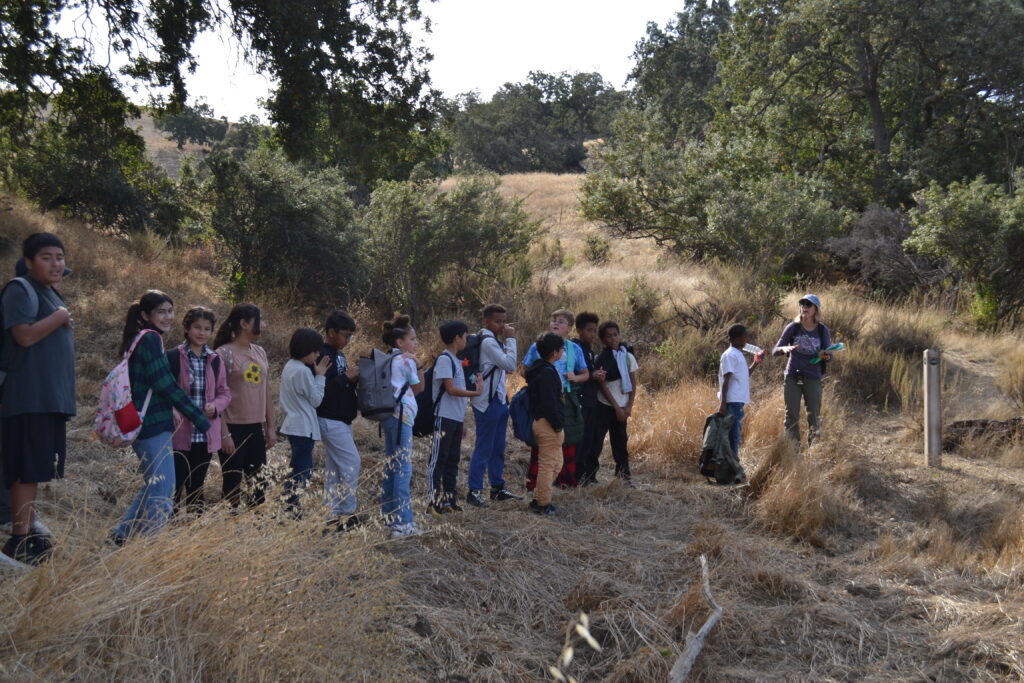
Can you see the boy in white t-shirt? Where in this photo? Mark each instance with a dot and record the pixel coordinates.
(734, 382)
(450, 397)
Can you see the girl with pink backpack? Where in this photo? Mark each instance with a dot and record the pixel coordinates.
(156, 392)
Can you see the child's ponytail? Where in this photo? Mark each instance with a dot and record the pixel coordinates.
(233, 324)
(134, 322)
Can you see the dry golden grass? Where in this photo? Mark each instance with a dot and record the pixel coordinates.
(848, 562)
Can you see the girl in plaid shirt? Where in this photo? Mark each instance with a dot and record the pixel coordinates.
(152, 317)
(201, 373)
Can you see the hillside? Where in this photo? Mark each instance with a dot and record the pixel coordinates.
(852, 561)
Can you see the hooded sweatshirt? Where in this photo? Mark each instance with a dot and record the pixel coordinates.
(544, 388)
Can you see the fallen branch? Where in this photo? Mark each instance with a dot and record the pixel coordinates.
(695, 642)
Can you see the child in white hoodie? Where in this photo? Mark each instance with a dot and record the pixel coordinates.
(301, 393)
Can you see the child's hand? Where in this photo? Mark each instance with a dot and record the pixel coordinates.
(508, 332)
(321, 366)
(722, 410)
(271, 440)
(352, 373)
(620, 414)
(599, 375)
(210, 410)
(227, 444)
(479, 384)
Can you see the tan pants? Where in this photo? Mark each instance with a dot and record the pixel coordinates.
(549, 459)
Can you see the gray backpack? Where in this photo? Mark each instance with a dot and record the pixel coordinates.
(374, 394)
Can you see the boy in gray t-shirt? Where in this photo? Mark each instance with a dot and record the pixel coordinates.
(450, 396)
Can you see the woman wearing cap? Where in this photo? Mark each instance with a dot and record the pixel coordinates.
(802, 340)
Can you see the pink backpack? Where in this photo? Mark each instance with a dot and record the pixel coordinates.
(117, 421)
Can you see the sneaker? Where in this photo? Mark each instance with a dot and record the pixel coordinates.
(438, 510)
(476, 499)
(548, 509)
(31, 549)
(454, 507)
(38, 528)
(351, 523)
(503, 493)
(403, 530)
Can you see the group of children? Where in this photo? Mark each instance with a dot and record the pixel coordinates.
(201, 398)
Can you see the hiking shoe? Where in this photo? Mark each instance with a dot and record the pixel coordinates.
(476, 499)
(31, 549)
(403, 530)
(454, 507)
(503, 493)
(351, 523)
(548, 509)
(38, 528)
(438, 510)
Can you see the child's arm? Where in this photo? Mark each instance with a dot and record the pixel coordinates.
(222, 397)
(452, 390)
(271, 435)
(157, 373)
(28, 334)
(722, 409)
(632, 395)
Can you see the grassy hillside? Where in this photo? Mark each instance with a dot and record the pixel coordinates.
(851, 561)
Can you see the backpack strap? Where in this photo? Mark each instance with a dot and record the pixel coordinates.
(174, 360)
(489, 375)
(33, 297)
(442, 391)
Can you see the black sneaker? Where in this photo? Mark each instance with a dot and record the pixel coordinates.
(454, 506)
(32, 549)
(548, 509)
(351, 523)
(503, 493)
(476, 499)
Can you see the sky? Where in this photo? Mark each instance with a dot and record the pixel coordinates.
(477, 45)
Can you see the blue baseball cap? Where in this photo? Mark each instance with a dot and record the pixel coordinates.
(811, 299)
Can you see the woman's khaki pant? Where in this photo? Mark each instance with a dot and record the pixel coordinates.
(809, 389)
(549, 459)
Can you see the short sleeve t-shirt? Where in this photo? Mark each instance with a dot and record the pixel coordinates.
(450, 407)
(249, 381)
(403, 372)
(739, 384)
(562, 364)
(41, 377)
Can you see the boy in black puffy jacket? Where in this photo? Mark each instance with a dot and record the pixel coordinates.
(544, 388)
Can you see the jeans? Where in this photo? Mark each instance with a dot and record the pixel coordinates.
(302, 469)
(395, 503)
(342, 466)
(153, 505)
(736, 410)
(808, 388)
(489, 451)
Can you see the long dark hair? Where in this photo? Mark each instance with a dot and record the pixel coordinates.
(231, 327)
(134, 322)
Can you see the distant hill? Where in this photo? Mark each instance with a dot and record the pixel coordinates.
(164, 152)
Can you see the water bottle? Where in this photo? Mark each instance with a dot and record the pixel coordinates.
(753, 350)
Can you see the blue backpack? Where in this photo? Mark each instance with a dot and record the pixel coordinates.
(522, 420)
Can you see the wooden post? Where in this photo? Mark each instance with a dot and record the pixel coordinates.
(933, 407)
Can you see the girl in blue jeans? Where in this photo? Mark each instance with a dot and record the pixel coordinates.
(301, 393)
(155, 391)
(395, 503)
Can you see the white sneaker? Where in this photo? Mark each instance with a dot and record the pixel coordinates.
(37, 528)
(10, 562)
(402, 530)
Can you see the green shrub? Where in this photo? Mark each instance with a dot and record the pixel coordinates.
(597, 249)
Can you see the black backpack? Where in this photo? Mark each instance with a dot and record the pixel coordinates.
(426, 404)
(470, 357)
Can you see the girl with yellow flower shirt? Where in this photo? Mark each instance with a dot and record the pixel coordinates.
(245, 445)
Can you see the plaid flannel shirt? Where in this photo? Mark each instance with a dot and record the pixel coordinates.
(148, 369)
(197, 386)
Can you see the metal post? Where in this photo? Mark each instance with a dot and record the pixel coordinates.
(933, 407)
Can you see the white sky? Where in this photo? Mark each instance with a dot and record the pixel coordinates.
(477, 45)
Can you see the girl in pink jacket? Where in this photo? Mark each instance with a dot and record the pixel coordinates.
(202, 376)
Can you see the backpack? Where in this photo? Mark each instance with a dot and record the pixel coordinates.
(522, 420)
(374, 394)
(33, 298)
(821, 340)
(426, 404)
(470, 357)
(717, 461)
(117, 421)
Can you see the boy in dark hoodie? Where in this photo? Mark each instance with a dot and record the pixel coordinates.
(544, 388)
(335, 415)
